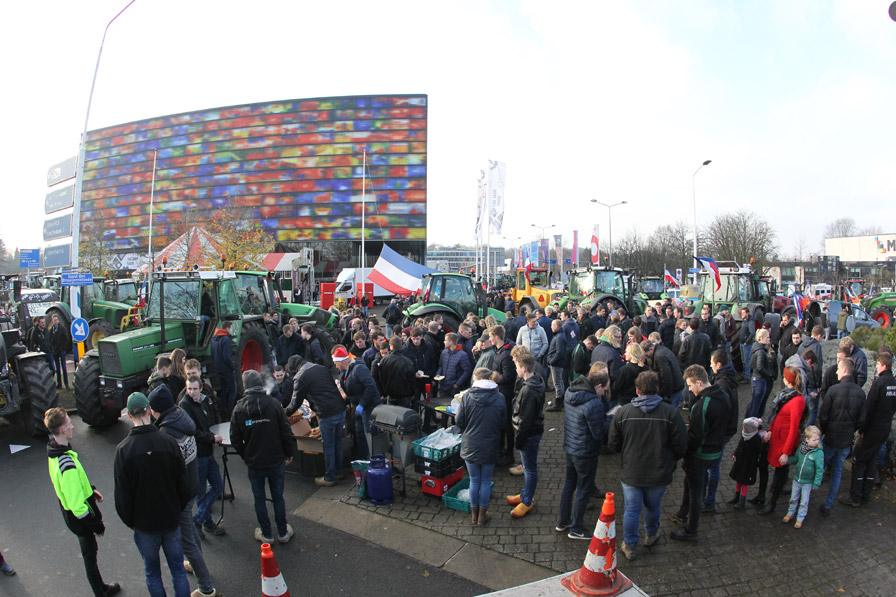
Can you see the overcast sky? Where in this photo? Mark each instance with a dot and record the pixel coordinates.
(792, 100)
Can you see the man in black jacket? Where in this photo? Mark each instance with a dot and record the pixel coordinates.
(397, 375)
(504, 374)
(697, 347)
(260, 434)
(288, 344)
(61, 344)
(666, 366)
(840, 414)
(667, 328)
(706, 436)
(746, 336)
(222, 355)
(421, 356)
(392, 315)
(879, 409)
(709, 327)
(150, 494)
(724, 376)
(528, 427)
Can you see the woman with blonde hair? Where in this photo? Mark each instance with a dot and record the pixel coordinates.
(623, 390)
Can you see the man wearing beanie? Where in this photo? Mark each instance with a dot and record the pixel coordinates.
(150, 494)
(175, 422)
(260, 433)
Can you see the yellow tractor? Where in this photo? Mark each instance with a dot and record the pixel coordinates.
(533, 290)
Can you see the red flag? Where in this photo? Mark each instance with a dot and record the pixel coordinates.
(595, 245)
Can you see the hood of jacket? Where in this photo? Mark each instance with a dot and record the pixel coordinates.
(757, 345)
(536, 382)
(220, 332)
(727, 369)
(177, 418)
(580, 392)
(55, 450)
(484, 395)
(647, 403)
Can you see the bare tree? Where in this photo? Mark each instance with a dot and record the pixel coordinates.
(841, 227)
(871, 230)
(741, 237)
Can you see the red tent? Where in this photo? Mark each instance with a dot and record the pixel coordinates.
(193, 246)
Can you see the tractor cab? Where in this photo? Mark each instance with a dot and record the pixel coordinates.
(124, 290)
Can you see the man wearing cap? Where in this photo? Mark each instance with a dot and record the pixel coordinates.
(260, 433)
(176, 423)
(150, 494)
(360, 389)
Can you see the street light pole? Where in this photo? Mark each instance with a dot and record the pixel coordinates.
(694, 193)
(610, 218)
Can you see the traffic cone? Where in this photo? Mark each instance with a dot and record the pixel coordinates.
(598, 575)
(272, 583)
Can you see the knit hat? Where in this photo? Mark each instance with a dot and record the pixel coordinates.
(340, 354)
(160, 399)
(789, 375)
(137, 403)
(751, 426)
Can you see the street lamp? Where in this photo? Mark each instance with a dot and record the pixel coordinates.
(694, 193)
(610, 218)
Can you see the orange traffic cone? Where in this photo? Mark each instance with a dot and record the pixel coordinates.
(598, 575)
(272, 583)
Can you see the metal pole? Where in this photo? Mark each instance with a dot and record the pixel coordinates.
(694, 193)
(152, 190)
(363, 214)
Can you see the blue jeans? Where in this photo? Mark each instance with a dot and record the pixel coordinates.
(712, 477)
(580, 473)
(834, 458)
(635, 498)
(560, 389)
(274, 477)
(61, 368)
(228, 391)
(799, 496)
(529, 458)
(148, 545)
(331, 436)
(675, 398)
(209, 474)
(757, 401)
(480, 483)
(813, 407)
(193, 551)
(746, 351)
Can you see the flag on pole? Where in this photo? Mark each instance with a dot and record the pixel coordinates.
(595, 244)
(545, 250)
(397, 274)
(671, 279)
(575, 248)
(709, 264)
(799, 310)
(496, 177)
(527, 256)
(481, 208)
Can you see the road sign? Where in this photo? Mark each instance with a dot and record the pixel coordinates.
(29, 258)
(58, 227)
(79, 329)
(59, 199)
(58, 256)
(678, 273)
(694, 270)
(62, 171)
(77, 279)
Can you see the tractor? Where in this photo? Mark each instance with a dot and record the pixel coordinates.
(611, 286)
(27, 387)
(452, 296)
(652, 288)
(533, 291)
(269, 285)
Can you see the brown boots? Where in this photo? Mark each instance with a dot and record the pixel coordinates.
(475, 515)
(484, 516)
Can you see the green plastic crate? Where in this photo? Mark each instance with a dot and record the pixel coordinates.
(451, 500)
(436, 455)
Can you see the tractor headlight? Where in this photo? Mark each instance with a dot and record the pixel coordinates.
(102, 381)
(119, 385)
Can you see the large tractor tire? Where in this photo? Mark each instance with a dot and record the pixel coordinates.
(63, 320)
(450, 322)
(526, 307)
(37, 387)
(254, 351)
(882, 315)
(98, 330)
(87, 393)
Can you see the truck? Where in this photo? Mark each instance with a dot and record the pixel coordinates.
(351, 278)
(533, 290)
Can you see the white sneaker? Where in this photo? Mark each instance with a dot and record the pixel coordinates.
(289, 533)
(260, 537)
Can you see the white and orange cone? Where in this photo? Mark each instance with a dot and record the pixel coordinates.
(598, 575)
(272, 583)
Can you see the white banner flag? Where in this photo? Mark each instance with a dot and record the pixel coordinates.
(496, 178)
(481, 208)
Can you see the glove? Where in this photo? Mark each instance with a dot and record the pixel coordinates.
(359, 409)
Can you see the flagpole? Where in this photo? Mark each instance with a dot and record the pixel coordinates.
(152, 190)
(363, 207)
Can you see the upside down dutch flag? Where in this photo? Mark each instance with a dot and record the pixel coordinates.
(672, 279)
(709, 264)
(397, 274)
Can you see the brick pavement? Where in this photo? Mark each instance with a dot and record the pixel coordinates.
(739, 553)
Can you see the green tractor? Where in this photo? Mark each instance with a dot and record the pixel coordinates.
(611, 286)
(270, 285)
(880, 306)
(452, 296)
(652, 288)
(27, 387)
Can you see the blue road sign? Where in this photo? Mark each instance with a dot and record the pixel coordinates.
(694, 270)
(29, 258)
(79, 279)
(79, 329)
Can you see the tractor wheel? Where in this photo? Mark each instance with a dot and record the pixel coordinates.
(758, 317)
(63, 320)
(37, 387)
(450, 322)
(87, 393)
(526, 308)
(882, 315)
(254, 351)
(98, 330)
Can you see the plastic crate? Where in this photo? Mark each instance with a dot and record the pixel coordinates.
(438, 487)
(433, 454)
(451, 500)
(437, 468)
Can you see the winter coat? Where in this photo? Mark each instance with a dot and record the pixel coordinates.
(696, 350)
(746, 460)
(798, 362)
(760, 364)
(312, 382)
(456, 368)
(150, 481)
(203, 415)
(726, 378)
(528, 411)
(178, 424)
(221, 351)
(667, 331)
(506, 369)
(557, 353)
(483, 412)
(711, 329)
(842, 412)
(584, 420)
(359, 387)
(392, 314)
(708, 421)
(785, 426)
(397, 376)
(434, 352)
(486, 359)
(420, 356)
(39, 340)
(880, 405)
(286, 347)
(624, 386)
(605, 352)
(76, 495)
(667, 368)
(747, 333)
(809, 464)
(651, 437)
(581, 361)
(313, 352)
(648, 325)
(860, 373)
(570, 330)
(534, 339)
(810, 343)
(282, 390)
(60, 339)
(828, 381)
(259, 430)
(544, 322)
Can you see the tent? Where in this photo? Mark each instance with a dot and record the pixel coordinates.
(193, 246)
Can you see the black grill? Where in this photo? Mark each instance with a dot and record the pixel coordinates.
(109, 361)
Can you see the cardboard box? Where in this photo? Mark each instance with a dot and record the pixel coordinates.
(301, 428)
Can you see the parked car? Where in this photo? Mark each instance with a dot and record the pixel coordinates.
(858, 317)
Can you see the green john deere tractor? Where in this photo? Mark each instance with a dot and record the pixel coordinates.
(610, 286)
(255, 287)
(27, 387)
(452, 296)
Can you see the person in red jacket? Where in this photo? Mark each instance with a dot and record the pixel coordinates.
(783, 435)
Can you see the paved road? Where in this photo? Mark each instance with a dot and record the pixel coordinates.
(318, 561)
